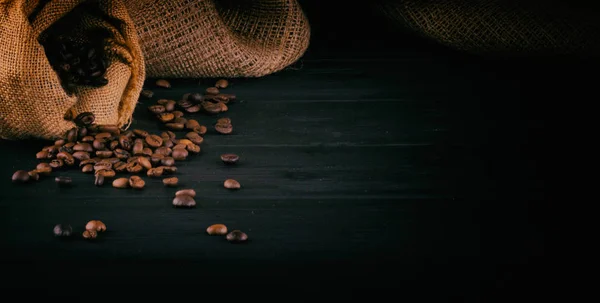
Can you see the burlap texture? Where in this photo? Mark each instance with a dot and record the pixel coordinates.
(210, 38)
(499, 27)
(32, 102)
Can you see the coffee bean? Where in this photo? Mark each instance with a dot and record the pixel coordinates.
(187, 192)
(184, 201)
(168, 170)
(120, 183)
(179, 154)
(60, 142)
(86, 147)
(224, 120)
(90, 234)
(165, 151)
(165, 117)
(72, 134)
(231, 184)
(168, 143)
(120, 166)
(170, 105)
(195, 97)
(156, 158)
(172, 182)
(145, 163)
(96, 225)
(33, 175)
(181, 120)
(125, 142)
(224, 107)
(136, 182)
(229, 97)
(121, 153)
(223, 128)
(81, 155)
(193, 109)
(103, 137)
(63, 230)
(99, 181)
(112, 160)
(168, 161)
(180, 146)
(138, 147)
(221, 83)
(52, 150)
(42, 155)
(102, 165)
(175, 126)
(185, 104)
(104, 153)
(87, 168)
(154, 141)
(63, 181)
(147, 93)
(92, 161)
(88, 139)
(177, 114)
(211, 108)
(113, 145)
(217, 230)
(136, 168)
(185, 142)
(193, 148)
(85, 119)
(147, 151)
(162, 101)
(56, 163)
(66, 157)
(44, 168)
(83, 131)
(194, 137)
(191, 124)
(201, 130)
(107, 173)
(236, 236)
(98, 144)
(109, 128)
(230, 158)
(155, 172)
(140, 133)
(156, 109)
(212, 91)
(163, 83)
(67, 148)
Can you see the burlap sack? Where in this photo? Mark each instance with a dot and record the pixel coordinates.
(219, 38)
(32, 101)
(499, 27)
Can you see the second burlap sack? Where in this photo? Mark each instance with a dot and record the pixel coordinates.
(219, 38)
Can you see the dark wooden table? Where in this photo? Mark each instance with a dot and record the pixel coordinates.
(408, 171)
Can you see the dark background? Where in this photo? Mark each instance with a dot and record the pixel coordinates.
(380, 163)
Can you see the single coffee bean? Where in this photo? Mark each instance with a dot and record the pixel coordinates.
(72, 134)
(88, 139)
(98, 144)
(230, 158)
(195, 97)
(172, 182)
(224, 120)
(147, 152)
(63, 230)
(86, 147)
(171, 134)
(138, 147)
(221, 98)
(113, 145)
(178, 114)
(185, 142)
(109, 128)
(107, 173)
(145, 163)
(63, 181)
(200, 130)
(154, 141)
(66, 157)
(44, 169)
(223, 106)
(83, 131)
(112, 160)
(121, 154)
(167, 161)
(136, 168)
(179, 146)
(156, 158)
(221, 83)
(194, 108)
(165, 117)
(54, 149)
(136, 182)
(147, 93)
(67, 148)
(42, 155)
(187, 192)
(211, 108)
(96, 225)
(90, 234)
(191, 124)
(99, 181)
(57, 163)
(175, 126)
(170, 105)
(81, 155)
(33, 175)
(163, 83)
(60, 142)
(229, 97)
(223, 128)
(120, 183)
(85, 119)
(231, 184)
(179, 154)
(103, 165)
(140, 133)
(194, 137)
(168, 143)
(92, 161)
(165, 151)
(184, 201)
(185, 104)
(212, 91)
(236, 236)
(155, 172)
(168, 170)
(162, 101)
(156, 109)
(125, 142)
(104, 153)
(120, 166)
(103, 137)
(87, 168)
(217, 230)
(193, 148)
(181, 120)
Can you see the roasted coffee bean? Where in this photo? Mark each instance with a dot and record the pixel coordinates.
(92, 161)
(83, 131)
(54, 149)
(81, 155)
(138, 147)
(85, 119)
(179, 154)
(155, 172)
(112, 160)
(172, 182)
(145, 163)
(133, 159)
(181, 120)
(63, 181)
(87, 168)
(231, 184)
(113, 145)
(217, 230)
(230, 158)
(167, 161)
(120, 166)
(211, 108)
(63, 230)
(162, 101)
(96, 225)
(195, 97)
(121, 154)
(86, 147)
(99, 181)
(221, 98)
(193, 109)
(185, 103)
(140, 133)
(165, 117)
(147, 93)
(163, 83)
(125, 142)
(120, 183)
(223, 128)
(67, 148)
(147, 151)
(42, 155)
(193, 148)
(20, 176)
(103, 137)
(222, 83)
(60, 142)
(156, 109)
(136, 168)
(201, 130)
(88, 139)
(229, 97)
(109, 128)
(57, 163)
(191, 124)
(90, 234)
(171, 134)
(223, 106)
(187, 192)
(184, 201)
(107, 173)
(104, 153)
(33, 175)
(194, 137)
(165, 151)
(212, 91)
(185, 142)
(170, 105)
(168, 170)
(178, 114)
(175, 126)
(156, 158)
(154, 141)
(168, 143)
(44, 168)
(224, 120)
(179, 146)
(66, 157)
(136, 182)
(236, 236)
(72, 134)
(102, 165)
(98, 144)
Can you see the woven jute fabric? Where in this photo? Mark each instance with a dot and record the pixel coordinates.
(499, 27)
(33, 103)
(210, 38)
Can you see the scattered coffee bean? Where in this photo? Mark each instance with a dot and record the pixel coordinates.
(33, 175)
(184, 201)
(211, 108)
(224, 120)
(99, 181)
(109, 128)
(71, 135)
(237, 236)
(90, 234)
(21, 176)
(165, 117)
(145, 163)
(167, 161)
(223, 106)
(186, 192)
(172, 182)
(42, 155)
(217, 230)
(223, 128)
(63, 230)
(230, 158)
(170, 105)
(88, 139)
(120, 183)
(136, 182)
(201, 130)
(56, 163)
(175, 126)
(154, 140)
(96, 225)
(194, 137)
(193, 148)
(163, 83)
(63, 181)
(222, 83)
(231, 184)
(157, 109)
(212, 91)
(85, 119)
(81, 155)
(87, 168)
(155, 172)
(147, 93)
(104, 154)
(179, 154)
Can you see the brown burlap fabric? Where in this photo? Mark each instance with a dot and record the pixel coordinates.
(210, 38)
(499, 27)
(32, 102)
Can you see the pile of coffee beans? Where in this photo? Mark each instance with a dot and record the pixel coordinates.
(92, 228)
